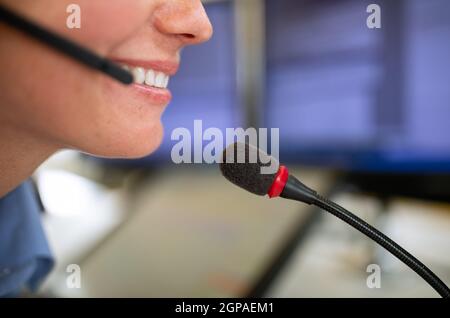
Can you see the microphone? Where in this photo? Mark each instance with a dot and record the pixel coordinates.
(242, 164)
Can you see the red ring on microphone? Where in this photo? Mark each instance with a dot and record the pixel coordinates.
(280, 181)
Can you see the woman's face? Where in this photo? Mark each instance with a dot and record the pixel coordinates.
(68, 105)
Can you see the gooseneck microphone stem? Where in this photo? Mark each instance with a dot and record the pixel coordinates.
(249, 176)
(385, 242)
(295, 190)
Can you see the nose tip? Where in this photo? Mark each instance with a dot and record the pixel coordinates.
(187, 19)
(203, 32)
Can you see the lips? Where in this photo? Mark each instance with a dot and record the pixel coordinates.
(151, 77)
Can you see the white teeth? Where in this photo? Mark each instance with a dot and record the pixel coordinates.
(139, 75)
(148, 77)
(159, 80)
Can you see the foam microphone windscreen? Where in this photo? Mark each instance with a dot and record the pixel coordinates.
(241, 165)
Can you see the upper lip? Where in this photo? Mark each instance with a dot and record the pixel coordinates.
(165, 66)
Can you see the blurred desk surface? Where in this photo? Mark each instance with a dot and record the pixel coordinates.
(185, 232)
(333, 261)
(189, 233)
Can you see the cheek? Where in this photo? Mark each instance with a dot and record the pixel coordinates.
(105, 24)
(95, 115)
(71, 105)
(108, 23)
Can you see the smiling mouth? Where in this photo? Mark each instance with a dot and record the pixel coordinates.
(151, 78)
(148, 77)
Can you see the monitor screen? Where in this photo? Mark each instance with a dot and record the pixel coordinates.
(357, 97)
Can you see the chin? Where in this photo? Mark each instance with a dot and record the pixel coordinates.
(133, 145)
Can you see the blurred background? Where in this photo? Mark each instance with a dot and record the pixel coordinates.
(364, 118)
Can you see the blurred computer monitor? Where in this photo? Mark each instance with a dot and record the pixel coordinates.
(357, 98)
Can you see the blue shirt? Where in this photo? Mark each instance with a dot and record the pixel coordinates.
(25, 257)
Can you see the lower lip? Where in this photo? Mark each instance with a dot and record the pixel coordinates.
(160, 96)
